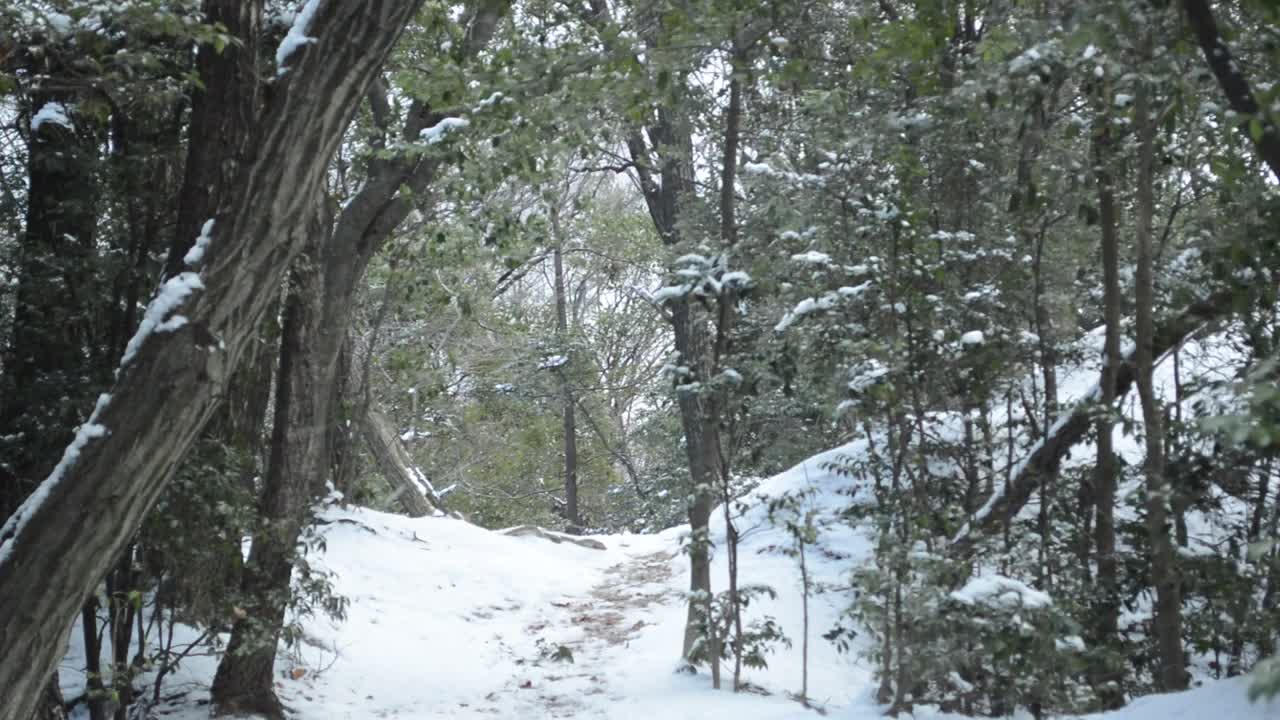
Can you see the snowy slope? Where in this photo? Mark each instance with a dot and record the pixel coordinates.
(451, 620)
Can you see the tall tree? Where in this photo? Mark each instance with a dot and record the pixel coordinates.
(570, 424)
(1171, 671)
(322, 291)
(661, 154)
(1103, 492)
(194, 332)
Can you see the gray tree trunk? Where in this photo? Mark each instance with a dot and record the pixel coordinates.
(669, 149)
(58, 545)
(702, 440)
(1107, 603)
(223, 111)
(1171, 674)
(323, 291)
(299, 460)
(570, 424)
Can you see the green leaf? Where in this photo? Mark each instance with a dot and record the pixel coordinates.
(1256, 129)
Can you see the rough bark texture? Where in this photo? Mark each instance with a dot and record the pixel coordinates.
(49, 352)
(64, 541)
(223, 111)
(299, 458)
(323, 293)
(397, 467)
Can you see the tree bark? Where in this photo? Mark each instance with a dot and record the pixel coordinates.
(669, 148)
(1171, 674)
(298, 462)
(412, 488)
(80, 518)
(674, 146)
(322, 295)
(674, 142)
(570, 425)
(1106, 607)
(51, 705)
(48, 354)
(224, 108)
(50, 346)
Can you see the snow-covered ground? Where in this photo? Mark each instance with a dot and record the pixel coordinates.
(450, 620)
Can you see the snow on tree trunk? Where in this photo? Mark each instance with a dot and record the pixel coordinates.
(413, 489)
(63, 539)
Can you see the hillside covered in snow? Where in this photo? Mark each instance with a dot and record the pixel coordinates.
(449, 620)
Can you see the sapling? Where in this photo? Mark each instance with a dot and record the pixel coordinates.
(795, 514)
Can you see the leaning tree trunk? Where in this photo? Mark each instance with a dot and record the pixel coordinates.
(413, 489)
(1073, 426)
(80, 518)
(321, 298)
(1234, 84)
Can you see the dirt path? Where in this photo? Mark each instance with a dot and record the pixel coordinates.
(568, 679)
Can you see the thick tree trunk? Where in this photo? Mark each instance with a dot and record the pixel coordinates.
(80, 519)
(43, 392)
(49, 351)
(413, 490)
(224, 108)
(323, 290)
(298, 463)
(1171, 673)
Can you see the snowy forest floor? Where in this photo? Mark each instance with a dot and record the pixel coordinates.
(449, 620)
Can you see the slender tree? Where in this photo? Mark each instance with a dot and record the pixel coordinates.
(1171, 673)
(1103, 492)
